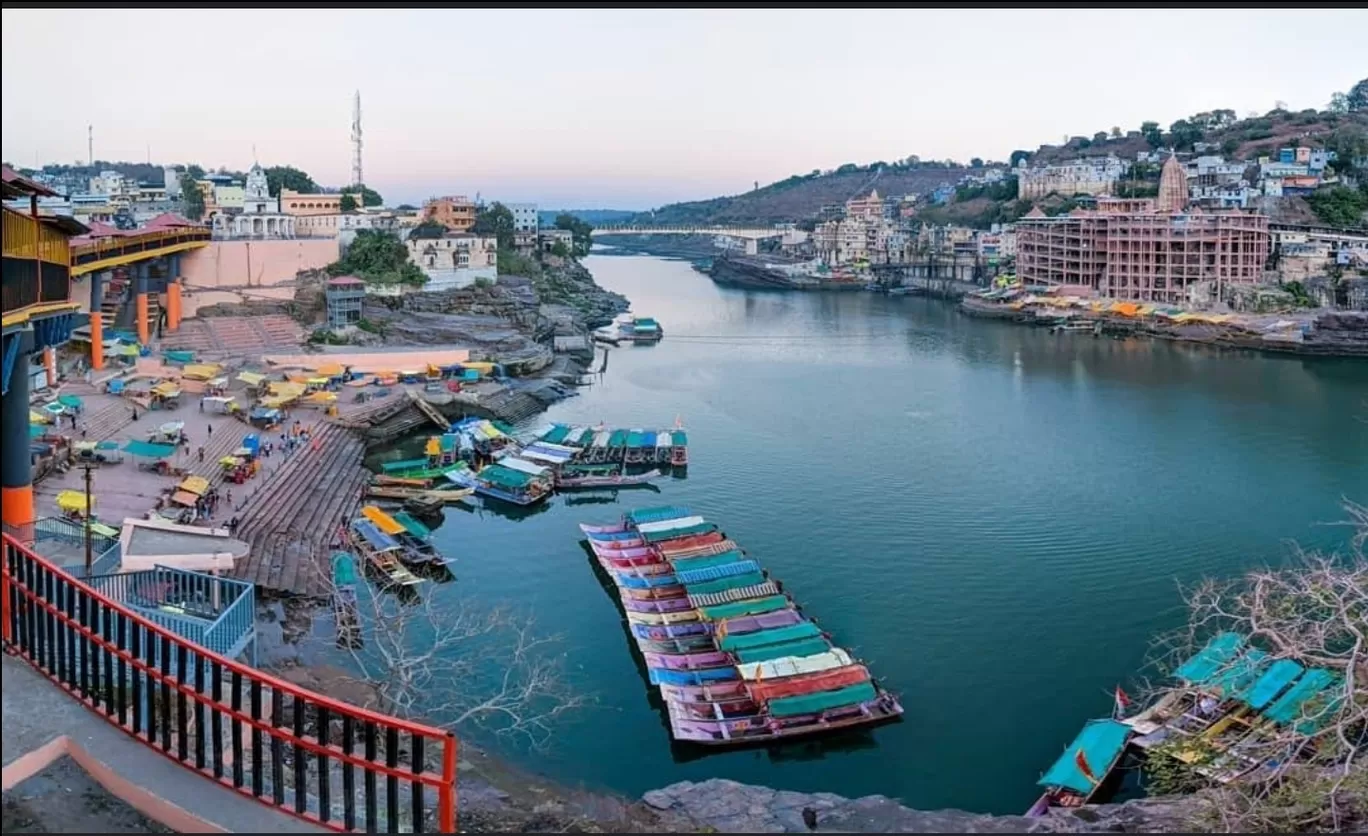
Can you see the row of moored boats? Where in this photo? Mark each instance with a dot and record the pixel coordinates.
(734, 657)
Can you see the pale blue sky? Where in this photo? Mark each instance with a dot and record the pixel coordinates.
(631, 109)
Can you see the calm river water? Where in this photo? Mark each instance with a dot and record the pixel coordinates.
(994, 517)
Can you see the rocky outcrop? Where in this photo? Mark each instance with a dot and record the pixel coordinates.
(730, 807)
(567, 284)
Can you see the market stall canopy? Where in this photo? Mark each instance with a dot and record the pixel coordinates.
(205, 371)
(251, 378)
(184, 498)
(72, 501)
(166, 390)
(197, 485)
(70, 401)
(149, 449)
(330, 370)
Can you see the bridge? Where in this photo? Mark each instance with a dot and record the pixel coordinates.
(748, 233)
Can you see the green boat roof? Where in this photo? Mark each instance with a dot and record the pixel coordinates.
(343, 569)
(801, 647)
(778, 635)
(1211, 659)
(723, 584)
(412, 526)
(1278, 676)
(657, 513)
(618, 438)
(505, 476)
(557, 434)
(671, 534)
(755, 606)
(634, 438)
(406, 464)
(689, 564)
(502, 427)
(822, 700)
(1291, 705)
(1101, 742)
(586, 438)
(1238, 674)
(681, 438)
(447, 443)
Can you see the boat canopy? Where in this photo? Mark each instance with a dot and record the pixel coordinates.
(1278, 676)
(1100, 742)
(634, 438)
(822, 700)
(681, 439)
(601, 438)
(618, 438)
(795, 665)
(404, 465)
(523, 466)
(656, 513)
(374, 537)
(760, 638)
(648, 438)
(412, 526)
(725, 584)
(343, 569)
(1211, 659)
(669, 524)
(657, 536)
(382, 521)
(740, 608)
(196, 485)
(586, 437)
(712, 573)
(553, 453)
(1238, 674)
(557, 434)
(497, 474)
(1295, 703)
(663, 439)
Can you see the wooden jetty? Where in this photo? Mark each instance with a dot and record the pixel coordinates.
(294, 518)
(429, 411)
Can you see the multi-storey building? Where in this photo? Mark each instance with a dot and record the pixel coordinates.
(1141, 250)
(524, 216)
(456, 213)
(1095, 176)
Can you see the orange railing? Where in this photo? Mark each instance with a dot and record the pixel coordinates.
(282, 745)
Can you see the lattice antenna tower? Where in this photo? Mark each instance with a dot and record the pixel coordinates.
(357, 179)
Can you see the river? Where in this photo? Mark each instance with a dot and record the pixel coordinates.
(994, 517)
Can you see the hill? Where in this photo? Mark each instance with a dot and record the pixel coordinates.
(802, 197)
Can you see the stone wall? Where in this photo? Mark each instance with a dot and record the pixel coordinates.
(234, 271)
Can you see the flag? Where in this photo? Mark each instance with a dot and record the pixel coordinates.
(1081, 761)
(1122, 701)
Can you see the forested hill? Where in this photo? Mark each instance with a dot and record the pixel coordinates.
(802, 196)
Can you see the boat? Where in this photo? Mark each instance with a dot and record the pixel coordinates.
(679, 450)
(411, 536)
(443, 495)
(510, 480)
(605, 480)
(636, 329)
(734, 658)
(381, 553)
(1073, 779)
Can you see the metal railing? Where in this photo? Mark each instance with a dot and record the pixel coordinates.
(217, 613)
(70, 531)
(113, 247)
(307, 755)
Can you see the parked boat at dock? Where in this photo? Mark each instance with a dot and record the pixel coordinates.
(735, 659)
(511, 480)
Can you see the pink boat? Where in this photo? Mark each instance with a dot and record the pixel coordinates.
(632, 548)
(659, 606)
(688, 661)
(658, 594)
(712, 693)
(741, 730)
(617, 528)
(637, 570)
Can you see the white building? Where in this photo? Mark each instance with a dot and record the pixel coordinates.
(172, 178)
(260, 216)
(455, 259)
(524, 216)
(1093, 176)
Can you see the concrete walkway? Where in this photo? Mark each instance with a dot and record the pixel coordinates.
(36, 712)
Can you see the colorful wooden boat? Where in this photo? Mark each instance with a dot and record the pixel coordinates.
(618, 480)
(1073, 779)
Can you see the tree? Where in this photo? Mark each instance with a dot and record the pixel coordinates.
(378, 257)
(192, 199)
(1339, 103)
(1183, 134)
(560, 250)
(976, 162)
(406, 207)
(1116, 132)
(580, 231)
(1100, 136)
(1357, 98)
(1340, 206)
(1230, 146)
(495, 221)
(1017, 157)
(1309, 773)
(1152, 134)
(195, 171)
(369, 196)
(348, 203)
(455, 666)
(288, 177)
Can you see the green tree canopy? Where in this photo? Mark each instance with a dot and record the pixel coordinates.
(348, 203)
(288, 177)
(495, 220)
(580, 231)
(1152, 134)
(1357, 97)
(369, 196)
(196, 172)
(192, 201)
(378, 257)
(1017, 156)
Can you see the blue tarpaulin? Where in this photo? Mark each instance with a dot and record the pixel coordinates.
(1211, 659)
(1278, 676)
(1101, 742)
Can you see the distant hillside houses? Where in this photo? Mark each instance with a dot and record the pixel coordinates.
(1092, 176)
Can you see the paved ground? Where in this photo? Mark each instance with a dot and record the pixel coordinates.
(36, 711)
(64, 799)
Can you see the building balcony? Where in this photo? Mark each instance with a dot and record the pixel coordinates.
(37, 265)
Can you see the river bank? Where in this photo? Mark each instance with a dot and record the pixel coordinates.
(1324, 334)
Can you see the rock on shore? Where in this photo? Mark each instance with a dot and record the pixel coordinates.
(730, 807)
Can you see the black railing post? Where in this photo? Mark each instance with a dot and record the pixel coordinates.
(277, 749)
(370, 736)
(216, 717)
(324, 778)
(418, 763)
(348, 773)
(392, 781)
(258, 768)
(298, 755)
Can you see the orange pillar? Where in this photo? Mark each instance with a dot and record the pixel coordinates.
(144, 330)
(173, 305)
(96, 340)
(50, 365)
(16, 508)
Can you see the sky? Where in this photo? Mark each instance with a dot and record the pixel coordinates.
(632, 109)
